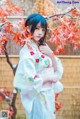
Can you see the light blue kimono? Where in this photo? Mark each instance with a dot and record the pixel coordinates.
(33, 68)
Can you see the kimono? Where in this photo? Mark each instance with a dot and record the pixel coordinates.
(33, 68)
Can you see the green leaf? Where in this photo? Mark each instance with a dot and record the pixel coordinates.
(31, 79)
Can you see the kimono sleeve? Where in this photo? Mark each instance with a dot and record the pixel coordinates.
(49, 74)
(26, 77)
(31, 75)
(59, 71)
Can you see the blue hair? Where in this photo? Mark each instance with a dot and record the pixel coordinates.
(34, 19)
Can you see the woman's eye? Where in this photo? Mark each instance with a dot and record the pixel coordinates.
(43, 29)
(37, 28)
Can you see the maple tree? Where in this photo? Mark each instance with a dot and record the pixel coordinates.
(67, 32)
(64, 30)
(64, 26)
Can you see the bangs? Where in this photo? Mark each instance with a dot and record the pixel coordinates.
(34, 19)
(43, 23)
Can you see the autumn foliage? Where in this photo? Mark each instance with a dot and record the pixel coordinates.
(4, 94)
(68, 32)
(64, 26)
(11, 30)
(65, 29)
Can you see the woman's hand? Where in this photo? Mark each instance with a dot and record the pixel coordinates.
(45, 49)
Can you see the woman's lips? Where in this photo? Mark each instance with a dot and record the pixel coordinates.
(38, 36)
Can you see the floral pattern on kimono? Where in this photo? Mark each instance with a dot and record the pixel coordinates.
(33, 68)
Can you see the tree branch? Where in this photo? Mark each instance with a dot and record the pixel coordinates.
(8, 60)
(1, 25)
(11, 104)
(60, 14)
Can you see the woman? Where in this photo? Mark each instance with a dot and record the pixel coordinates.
(38, 73)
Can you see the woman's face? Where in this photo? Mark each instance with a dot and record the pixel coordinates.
(38, 33)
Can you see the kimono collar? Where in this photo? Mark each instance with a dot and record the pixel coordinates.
(33, 45)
